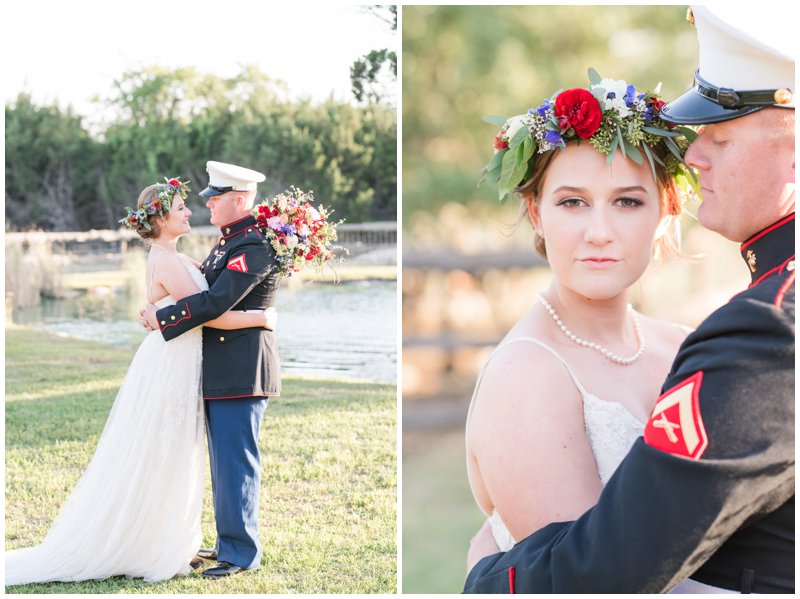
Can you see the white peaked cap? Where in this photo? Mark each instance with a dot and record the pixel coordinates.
(223, 178)
(744, 49)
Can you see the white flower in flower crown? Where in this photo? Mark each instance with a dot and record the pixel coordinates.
(616, 87)
(514, 124)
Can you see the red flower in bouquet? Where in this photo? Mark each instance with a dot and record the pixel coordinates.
(581, 109)
(297, 230)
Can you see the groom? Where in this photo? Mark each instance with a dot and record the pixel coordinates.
(708, 492)
(241, 369)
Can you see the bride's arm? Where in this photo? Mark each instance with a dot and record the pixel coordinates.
(176, 280)
(527, 444)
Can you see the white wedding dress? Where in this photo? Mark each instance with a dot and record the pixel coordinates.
(136, 510)
(611, 430)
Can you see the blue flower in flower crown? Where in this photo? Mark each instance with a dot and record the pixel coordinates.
(630, 95)
(542, 110)
(554, 137)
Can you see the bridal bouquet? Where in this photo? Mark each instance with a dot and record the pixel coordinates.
(300, 233)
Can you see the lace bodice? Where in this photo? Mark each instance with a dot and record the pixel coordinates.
(610, 427)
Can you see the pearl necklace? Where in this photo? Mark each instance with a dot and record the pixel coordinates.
(603, 350)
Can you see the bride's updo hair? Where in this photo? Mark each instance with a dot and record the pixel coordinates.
(148, 196)
(672, 201)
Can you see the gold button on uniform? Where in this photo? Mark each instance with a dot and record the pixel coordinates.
(172, 317)
(222, 338)
(183, 312)
(163, 322)
(790, 266)
(222, 242)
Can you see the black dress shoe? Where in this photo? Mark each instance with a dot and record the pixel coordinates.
(207, 553)
(221, 570)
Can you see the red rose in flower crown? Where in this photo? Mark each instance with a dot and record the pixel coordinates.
(500, 142)
(581, 109)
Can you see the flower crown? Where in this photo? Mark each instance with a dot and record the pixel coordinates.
(610, 115)
(157, 206)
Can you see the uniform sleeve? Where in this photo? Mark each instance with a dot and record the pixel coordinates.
(246, 266)
(718, 451)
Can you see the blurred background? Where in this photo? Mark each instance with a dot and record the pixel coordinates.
(468, 273)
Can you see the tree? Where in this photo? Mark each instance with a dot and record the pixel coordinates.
(369, 74)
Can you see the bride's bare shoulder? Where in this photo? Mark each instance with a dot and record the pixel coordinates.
(521, 379)
(667, 334)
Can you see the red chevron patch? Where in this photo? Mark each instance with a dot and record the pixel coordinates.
(676, 425)
(238, 263)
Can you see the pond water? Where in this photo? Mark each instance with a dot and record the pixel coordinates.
(346, 330)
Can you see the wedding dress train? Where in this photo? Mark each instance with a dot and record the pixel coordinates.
(136, 510)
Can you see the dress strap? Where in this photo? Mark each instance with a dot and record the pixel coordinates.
(534, 341)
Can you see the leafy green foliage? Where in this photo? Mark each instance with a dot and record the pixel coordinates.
(170, 122)
(368, 71)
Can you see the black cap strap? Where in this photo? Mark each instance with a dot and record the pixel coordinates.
(729, 98)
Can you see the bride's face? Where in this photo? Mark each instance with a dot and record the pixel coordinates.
(598, 220)
(176, 221)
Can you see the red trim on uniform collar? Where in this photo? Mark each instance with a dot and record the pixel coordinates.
(236, 222)
(778, 269)
(761, 234)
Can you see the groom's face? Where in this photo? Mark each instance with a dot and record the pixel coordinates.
(746, 168)
(224, 208)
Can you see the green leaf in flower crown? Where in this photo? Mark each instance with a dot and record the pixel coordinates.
(621, 141)
(633, 153)
(612, 150)
(661, 132)
(505, 184)
(650, 160)
(521, 134)
(673, 147)
(689, 134)
(492, 170)
(594, 77)
(495, 119)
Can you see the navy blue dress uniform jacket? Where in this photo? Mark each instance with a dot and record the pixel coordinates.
(708, 491)
(242, 274)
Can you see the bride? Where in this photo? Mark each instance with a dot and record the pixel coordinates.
(570, 387)
(136, 510)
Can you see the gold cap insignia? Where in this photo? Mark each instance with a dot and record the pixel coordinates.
(783, 96)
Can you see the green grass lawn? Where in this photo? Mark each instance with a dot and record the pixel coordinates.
(328, 503)
(439, 514)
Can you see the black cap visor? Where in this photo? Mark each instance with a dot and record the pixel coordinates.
(212, 190)
(692, 108)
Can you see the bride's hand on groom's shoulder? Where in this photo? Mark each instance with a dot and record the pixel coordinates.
(481, 545)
